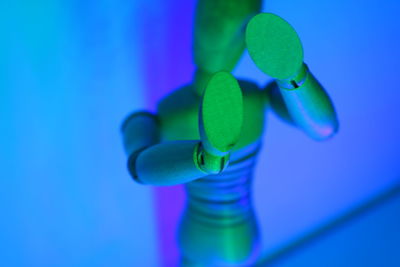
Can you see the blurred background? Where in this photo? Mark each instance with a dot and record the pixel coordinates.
(70, 71)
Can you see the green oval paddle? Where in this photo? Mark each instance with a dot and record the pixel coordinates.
(274, 46)
(221, 113)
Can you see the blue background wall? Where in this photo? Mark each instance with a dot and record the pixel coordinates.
(71, 70)
(353, 50)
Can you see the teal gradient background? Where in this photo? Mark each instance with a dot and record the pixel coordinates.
(70, 71)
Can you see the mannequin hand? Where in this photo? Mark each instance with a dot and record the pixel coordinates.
(274, 46)
(220, 122)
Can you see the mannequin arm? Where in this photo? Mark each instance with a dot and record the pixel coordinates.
(305, 104)
(176, 162)
(150, 162)
(309, 105)
(276, 49)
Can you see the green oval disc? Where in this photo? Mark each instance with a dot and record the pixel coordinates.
(221, 113)
(274, 46)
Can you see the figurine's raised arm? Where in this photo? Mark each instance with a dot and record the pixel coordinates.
(175, 162)
(218, 39)
(277, 51)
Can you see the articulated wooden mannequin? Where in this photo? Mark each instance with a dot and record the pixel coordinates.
(207, 134)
